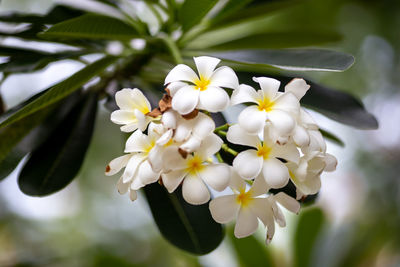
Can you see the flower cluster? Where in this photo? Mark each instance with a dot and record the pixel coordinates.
(175, 144)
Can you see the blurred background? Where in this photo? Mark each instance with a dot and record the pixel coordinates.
(355, 220)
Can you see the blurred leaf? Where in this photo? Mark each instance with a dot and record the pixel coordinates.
(250, 251)
(186, 226)
(61, 90)
(193, 11)
(331, 137)
(334, 104)
(91, 26)
(20, 138)
(55, 163)
(27, 60)
(292, 59)
(56, 14)
(283, 39)
(309, 227)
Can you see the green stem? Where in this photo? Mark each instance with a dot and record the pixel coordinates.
(221, 133)
(226, 148)
(219, 158)
(171, 45)
(222, 127)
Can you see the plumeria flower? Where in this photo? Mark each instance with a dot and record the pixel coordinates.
(138, 171)
(271, 105)
(203, 91)
(196, 170)
(306, 174)
(264, 158)
(133, 109)
(249, 205)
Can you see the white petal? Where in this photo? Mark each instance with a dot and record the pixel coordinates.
(244, 93)
(146, 173)
(175, 86)
(206, 65)
(216, 175)
(247, 164)
(275, 173)
(155, 131)
(136, 184)
(137, 142)
(236, 183)
(261, 207)
(130, 127)
(155, 158)
(269, 86)
(191, 145)
(309, 186)
(298, 87)
(224, 209)
(117, 164)
(259, 186)
(224, 77)
(140, 101)
(246, 223)
(123, 117)
(181, 72)
(194, 190)
(282, 122)
(132, 195)
(252, 120)
(287, 102)
(209, 146)
(169, 119)
(331, 163)
(317, 142)
(279, 217)
(203, 126)
(214, 99)
(185, 100)
(171, 180)
(238, 135)
(174, 160)
(131, 167)
(165, 138)
(183, 130)
(288, 152)
(288, 202)
(300, 136)
(307, 120)
(124, 100)
(122, 187)
(142, 119)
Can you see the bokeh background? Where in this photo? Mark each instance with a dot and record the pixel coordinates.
(355, 220)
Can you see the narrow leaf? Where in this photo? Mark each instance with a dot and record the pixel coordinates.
(186, 226)
(61, 89)
(308, 229)
(193, 11)
(332, 137)
(91, 26)
(292, 59)
(55, 163)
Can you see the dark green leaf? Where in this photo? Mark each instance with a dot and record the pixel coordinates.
(337, 105)
(22, 137)
(55, 163)
(186, 226)
(251, 252)
(61, 89)
(270, 40)
(91, 26)
(310, 224)
(331, 137)
(292, 59)
(193, 11)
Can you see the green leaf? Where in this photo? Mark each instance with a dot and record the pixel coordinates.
(61, 89)
(309, 227)
(334, 104)
(91, 26)
(55, 163)
(291, 59)
(193, 11)
(20, 138)
(332, 137)
(186, 226)
(270, 40)
(250, 251)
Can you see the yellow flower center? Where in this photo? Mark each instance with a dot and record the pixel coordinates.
(194, 165)
(149, 146)
(170, 142)
(265, 104)
(202, 83)
(244, 198)
(263, 151)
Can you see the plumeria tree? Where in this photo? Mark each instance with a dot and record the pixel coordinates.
(169, 71)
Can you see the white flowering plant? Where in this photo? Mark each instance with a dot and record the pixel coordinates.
(199, 59)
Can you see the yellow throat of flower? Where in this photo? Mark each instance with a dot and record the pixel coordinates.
(265, 104)
(149, 146)
(263, 151)
(202, 83)
(194, 164)
(244, 198)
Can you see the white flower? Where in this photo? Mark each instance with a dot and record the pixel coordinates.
(306, 174)
(204, 90)
(276, 107)
(196, 171)
(264, 158)
(133, 109)
(247, 206)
